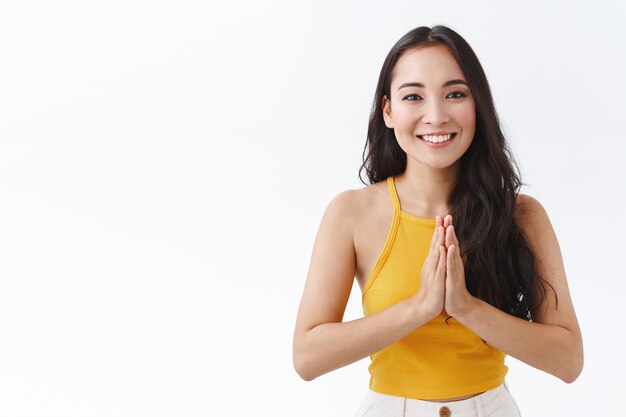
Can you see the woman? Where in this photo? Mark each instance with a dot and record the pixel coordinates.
(456, 267)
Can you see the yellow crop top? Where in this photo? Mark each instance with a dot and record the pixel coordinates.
(436, 360)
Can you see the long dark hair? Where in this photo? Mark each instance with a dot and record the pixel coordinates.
(500, 266)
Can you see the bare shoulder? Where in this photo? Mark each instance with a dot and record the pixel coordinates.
(533, 220)
(340, 212)
(530, 215)
(344, 202)
(354, 206)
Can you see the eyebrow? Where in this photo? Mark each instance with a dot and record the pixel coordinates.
(446, 84)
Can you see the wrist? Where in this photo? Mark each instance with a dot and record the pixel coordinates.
(417, 311)
(465, 315)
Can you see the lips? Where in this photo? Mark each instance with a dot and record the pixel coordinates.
(437, 138)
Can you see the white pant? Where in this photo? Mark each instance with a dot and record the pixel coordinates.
(497, 402)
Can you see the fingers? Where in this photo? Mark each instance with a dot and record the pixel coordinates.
(441, 238)
(454, 266)
(454, 260)
(433, 241)
(440, 273)
(450, 264)
(447, 222)
(445, 235)
(451, 238)
(438, 237)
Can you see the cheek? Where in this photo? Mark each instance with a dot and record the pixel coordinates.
(405, 118)
(466, 117)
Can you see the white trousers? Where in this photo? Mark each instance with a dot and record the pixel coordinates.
(497, 402)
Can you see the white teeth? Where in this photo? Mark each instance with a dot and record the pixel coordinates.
(438, 138)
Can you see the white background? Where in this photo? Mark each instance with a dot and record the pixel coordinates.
(164, 166)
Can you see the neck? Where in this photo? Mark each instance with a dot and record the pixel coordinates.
(425, 189)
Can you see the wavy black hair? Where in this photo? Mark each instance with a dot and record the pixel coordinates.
(500, 265)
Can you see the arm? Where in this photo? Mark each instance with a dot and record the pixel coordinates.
(322, 342)
(552, 342)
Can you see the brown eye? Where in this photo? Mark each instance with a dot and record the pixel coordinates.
(457, 94)
(412, 97)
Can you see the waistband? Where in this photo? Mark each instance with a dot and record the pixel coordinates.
(482, 404)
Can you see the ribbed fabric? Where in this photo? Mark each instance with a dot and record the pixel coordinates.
(437, 360)
(497, 402)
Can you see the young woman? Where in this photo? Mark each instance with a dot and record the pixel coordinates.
(456, 267)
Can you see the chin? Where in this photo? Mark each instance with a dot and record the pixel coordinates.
(437, 164)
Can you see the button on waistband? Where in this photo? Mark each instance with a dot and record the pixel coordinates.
(445, 412)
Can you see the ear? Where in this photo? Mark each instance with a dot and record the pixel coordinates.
(387, 113)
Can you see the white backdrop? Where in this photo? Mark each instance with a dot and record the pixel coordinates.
(164, 166)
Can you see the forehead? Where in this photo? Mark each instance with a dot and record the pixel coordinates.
(431, 66)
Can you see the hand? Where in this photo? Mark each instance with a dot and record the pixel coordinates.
(430, 297)
(457, 298)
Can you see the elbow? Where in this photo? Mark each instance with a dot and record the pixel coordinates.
(573, 373)
(574, 368)
(306, 376)
(302, 363)
(302, 369)
(570, 377)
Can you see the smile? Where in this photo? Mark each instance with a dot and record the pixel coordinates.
(437, 138)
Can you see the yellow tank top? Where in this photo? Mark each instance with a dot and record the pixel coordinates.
(436, 360)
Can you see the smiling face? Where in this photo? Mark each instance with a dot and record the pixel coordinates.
(431, 108)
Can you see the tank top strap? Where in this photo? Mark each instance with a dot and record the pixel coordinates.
(394, 195)
(391, 237)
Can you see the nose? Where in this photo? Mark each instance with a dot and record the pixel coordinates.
(435, 113)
